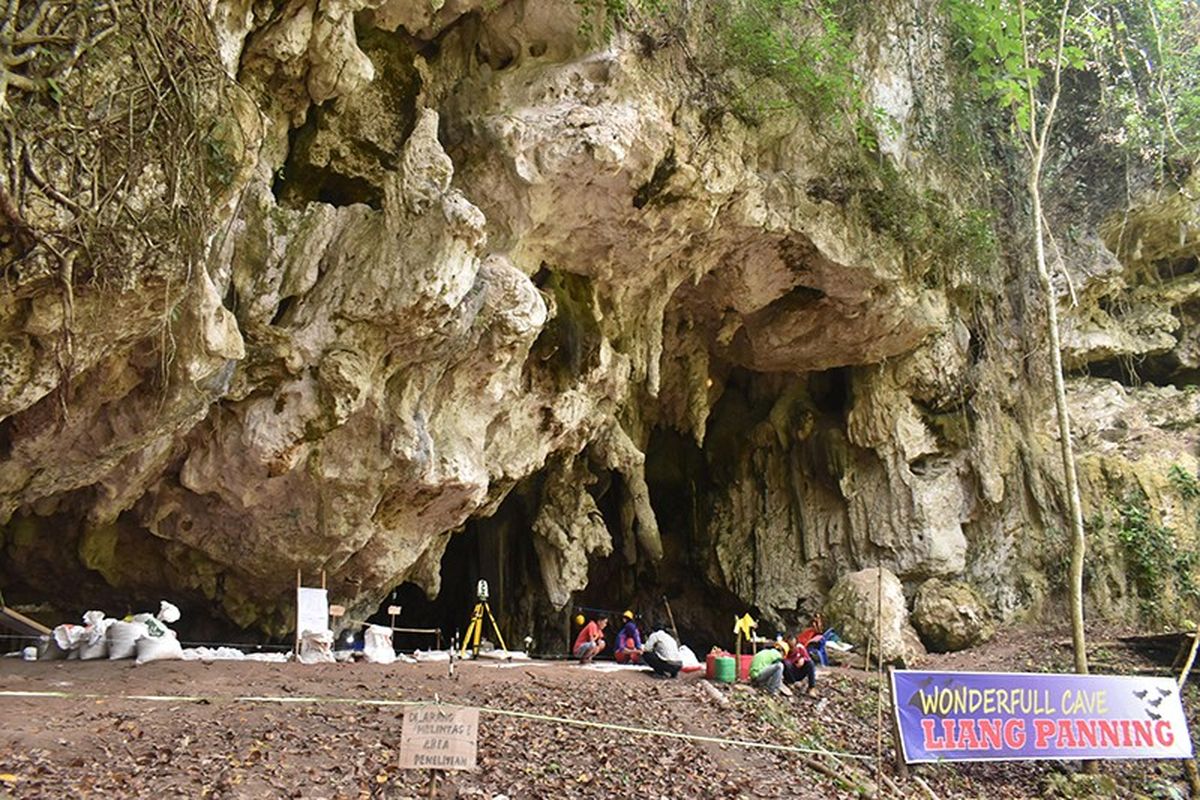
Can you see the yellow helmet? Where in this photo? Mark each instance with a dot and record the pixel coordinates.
(782, 645)
(627, 615)
(579, 619)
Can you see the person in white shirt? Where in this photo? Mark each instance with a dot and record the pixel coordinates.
(660, 652)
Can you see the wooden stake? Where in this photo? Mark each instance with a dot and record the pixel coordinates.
(879, 676)
(901, 764)
(296, 647)
(671, 617)
(1189, 766)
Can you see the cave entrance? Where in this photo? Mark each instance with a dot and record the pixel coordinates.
(498, 549)
(680, 483)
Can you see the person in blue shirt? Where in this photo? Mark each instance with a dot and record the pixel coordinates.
(629, 641)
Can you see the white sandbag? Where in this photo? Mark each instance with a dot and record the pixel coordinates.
(687, 657)
(154, 626)
(123, 638)
(425, 656)
(168, 612)
(377, 645)
(316, 647)
(48, 649)
(90, 651)
(68, 636)
(159, 648)
(95, 640)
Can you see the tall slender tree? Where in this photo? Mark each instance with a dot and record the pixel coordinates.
(1019, 51)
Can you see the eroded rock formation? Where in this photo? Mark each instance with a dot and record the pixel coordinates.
(463, 260)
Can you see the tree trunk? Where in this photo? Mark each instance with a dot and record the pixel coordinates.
(1078, 540)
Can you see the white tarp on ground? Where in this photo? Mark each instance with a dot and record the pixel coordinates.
(504, 655)
(515, 664)
(230, 654)
(610, 666)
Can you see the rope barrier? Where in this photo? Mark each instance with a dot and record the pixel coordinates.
(502, 712)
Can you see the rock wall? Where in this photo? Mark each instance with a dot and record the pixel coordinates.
(466, 253)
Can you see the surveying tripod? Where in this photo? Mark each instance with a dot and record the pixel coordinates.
(475, 627)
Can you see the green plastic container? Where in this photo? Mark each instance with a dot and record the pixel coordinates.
(723, 669)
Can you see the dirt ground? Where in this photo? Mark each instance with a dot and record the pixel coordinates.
(320, 740)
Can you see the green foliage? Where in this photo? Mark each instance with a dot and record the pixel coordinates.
(1148, 60)
(1184, 482)
(939, 238)
(1154, 562)
(1007, 70)
(760, 56)
(804, 48)
(1142, 55)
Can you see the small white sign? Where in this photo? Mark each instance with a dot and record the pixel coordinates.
(439, 737)
(393, 611)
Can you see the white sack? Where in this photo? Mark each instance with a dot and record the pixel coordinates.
(168, 612)
(316, 647)
(377, 645)
(68, 637)
(95, 641)
(123, 638)
(687, 657)
(159, 648)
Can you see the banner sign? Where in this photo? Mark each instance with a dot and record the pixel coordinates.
(1018, 716)
(439, 737)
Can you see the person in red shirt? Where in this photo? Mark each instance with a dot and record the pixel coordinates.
(798, 665)
(590, 641)
(813, 638)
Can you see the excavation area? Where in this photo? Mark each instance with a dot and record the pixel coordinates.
(546, 729)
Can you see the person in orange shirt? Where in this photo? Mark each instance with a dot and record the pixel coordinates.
(590, 641)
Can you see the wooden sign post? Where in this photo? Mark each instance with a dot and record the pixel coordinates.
(439, 737)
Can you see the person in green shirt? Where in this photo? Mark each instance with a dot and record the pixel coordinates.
(766, 669)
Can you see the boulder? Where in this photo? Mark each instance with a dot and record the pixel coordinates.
(950, 615)
(853, 609)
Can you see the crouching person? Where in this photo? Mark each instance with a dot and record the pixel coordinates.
(766, 669)
(629, 641)
(660, 652)
(798, 666)
(590, 641)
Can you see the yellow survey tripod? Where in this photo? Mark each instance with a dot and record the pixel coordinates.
(475, 628)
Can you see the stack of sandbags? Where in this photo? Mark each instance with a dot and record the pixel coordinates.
(87, 641)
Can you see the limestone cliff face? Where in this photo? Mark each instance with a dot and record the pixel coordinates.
(466, 263)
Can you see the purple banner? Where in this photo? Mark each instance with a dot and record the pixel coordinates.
(1019, 716)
